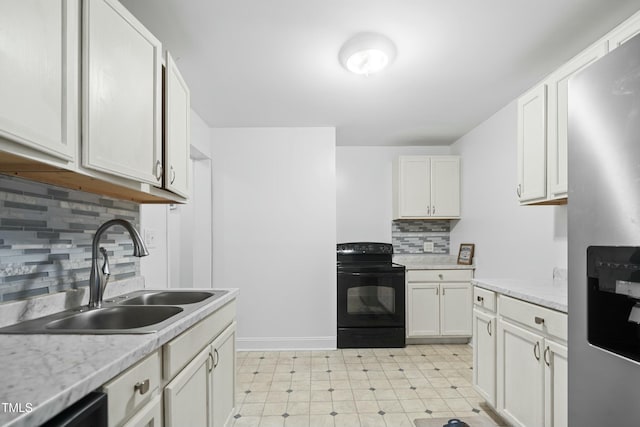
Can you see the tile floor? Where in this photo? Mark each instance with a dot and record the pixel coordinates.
(354, 387)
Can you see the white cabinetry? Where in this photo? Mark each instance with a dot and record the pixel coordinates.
(532, 144)
(484, 344)
(177, 119)
(438, 303)
(149, 416)
(129, 392)
(531, 364)
(426, 187)
(202, 391)
(121, 94)
(624, 32)
(520, 375)
(39, 75)
(557, 119)
(187, 397)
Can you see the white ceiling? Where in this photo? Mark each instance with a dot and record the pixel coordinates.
(264, 63)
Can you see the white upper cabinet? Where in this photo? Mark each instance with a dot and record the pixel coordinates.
(177, 130)
(532, 144)
(624, 32)
(557, 118)
(121, 94)
(39, 75)
(426, 187)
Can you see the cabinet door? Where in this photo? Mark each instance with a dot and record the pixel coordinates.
(149, 416)
(415, 186)
(121, 94)
(39, 75)
(558, 97)
(520, 379)
(455, 309)
(187, 397)
(223, 376)
(484, 355)
(624, 32)
(556, 379)
(445, 186)
(177, 130)
(532, 157)
(423, 314)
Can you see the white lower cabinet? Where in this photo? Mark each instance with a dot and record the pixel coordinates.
(438, 303)
(223, 384)
(556, 387)
(520, 375)
(187, 396)
(203, 393)
(190, 381)
(520, 364)
(484, 355)
(149, 416)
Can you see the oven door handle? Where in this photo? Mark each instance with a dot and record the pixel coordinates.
(376, 273)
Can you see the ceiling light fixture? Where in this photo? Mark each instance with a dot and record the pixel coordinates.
(367, 53)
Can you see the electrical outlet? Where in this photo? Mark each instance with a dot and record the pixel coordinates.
(149, 237)
(428, 247)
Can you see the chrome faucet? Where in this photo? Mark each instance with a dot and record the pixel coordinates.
(100, 276)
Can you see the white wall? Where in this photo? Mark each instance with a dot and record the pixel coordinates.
(511, 240)
(274, 233)
(363, 190)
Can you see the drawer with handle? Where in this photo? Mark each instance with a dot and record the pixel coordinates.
(484, 298)
(542, 319)
(439, 275)
(132, 389)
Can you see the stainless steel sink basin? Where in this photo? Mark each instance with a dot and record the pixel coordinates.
(115, 318)
(139, 312)
(169, 298)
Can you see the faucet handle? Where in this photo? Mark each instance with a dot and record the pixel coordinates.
(105, 270)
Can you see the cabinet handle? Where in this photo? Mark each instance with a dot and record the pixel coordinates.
(433, 210)
(437, 290)
(428, 210)
(538, 320)
(547, 351)
(518, 190)
(440, 276)
(142, 387)
(489, 327)
(158, 170)
(216, 358)
(536, 351)
(212, 362)
(479, 298)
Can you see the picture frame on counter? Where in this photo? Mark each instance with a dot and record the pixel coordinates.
(465, 255)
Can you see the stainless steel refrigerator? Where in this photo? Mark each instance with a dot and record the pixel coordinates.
(604, 241)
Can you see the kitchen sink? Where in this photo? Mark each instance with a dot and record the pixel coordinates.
(170, 298)
(138, 312)
(118, 318)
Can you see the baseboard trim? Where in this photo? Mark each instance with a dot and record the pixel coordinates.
(286, 343)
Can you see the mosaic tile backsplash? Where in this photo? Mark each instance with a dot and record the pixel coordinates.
(46, 233)
(408, 237)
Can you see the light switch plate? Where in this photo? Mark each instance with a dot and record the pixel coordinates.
(428, 247)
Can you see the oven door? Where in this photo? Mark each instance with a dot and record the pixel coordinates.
(371, 299)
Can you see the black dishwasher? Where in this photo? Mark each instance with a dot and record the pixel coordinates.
(90, 411)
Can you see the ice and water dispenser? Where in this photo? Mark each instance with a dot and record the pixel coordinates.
(614, 299)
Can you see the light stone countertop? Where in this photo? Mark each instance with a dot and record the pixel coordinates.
(51, 372)
(430, 262)
(550, 293)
